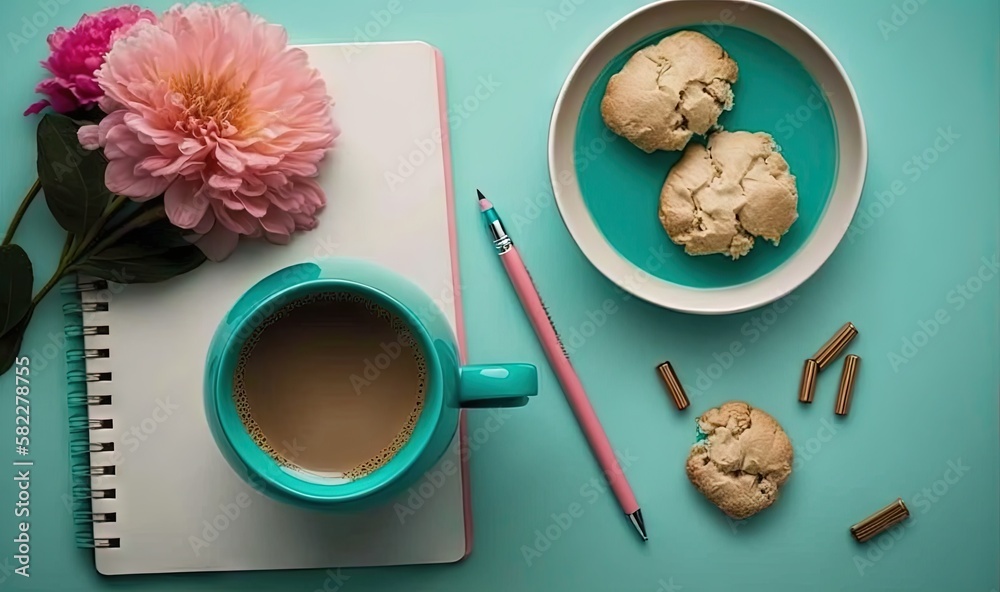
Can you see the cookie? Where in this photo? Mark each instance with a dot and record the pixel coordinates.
(717, 198)
(741, 459)
(669, 91)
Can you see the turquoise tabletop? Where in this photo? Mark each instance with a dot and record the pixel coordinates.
(918, 273)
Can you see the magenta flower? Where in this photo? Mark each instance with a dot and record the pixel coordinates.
(212, 109)
(78, 53)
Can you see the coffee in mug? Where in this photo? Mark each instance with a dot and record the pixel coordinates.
(331, 384)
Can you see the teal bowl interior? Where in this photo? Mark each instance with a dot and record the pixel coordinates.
(621, 184)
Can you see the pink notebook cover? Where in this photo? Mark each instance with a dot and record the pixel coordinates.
(455, 274)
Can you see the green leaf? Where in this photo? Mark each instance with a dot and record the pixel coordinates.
(149, 249)
(145, 224)
(132, 264)
(158, 233)
(72, 178)
(16, 279)
(10, 343)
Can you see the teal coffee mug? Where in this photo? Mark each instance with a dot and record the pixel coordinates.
(261, 344)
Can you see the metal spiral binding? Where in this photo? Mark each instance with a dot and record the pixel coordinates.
(80, 424)
(87, 330)
(103, 517)
(85, 430)
(80, 376)
(76, 448)
(90, 400)
(95, 470)
(80, 287)
(88, 492)
(82, 307)
(76, 355)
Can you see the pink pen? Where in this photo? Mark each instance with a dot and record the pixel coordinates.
(559, 361)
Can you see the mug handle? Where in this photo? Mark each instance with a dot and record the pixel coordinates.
(496, 385)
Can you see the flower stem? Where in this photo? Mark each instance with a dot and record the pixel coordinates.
(67, 246)
(138, 222)
(112, 208)
(45, 289)
(73, 254)
(60, 271)
(35, 188)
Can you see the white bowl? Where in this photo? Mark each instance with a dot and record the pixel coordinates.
(852, 153)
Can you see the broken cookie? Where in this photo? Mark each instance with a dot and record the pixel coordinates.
(718, 198)
(669, 91)
(741, 459)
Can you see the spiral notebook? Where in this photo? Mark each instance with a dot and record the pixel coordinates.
(152, 491)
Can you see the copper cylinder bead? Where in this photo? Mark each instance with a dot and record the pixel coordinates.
(880, 521)
(807, 388)
(832, 348)
(846, 389)
(673, 385)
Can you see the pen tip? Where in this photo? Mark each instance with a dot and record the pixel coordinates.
(484, 204)
(639, 524)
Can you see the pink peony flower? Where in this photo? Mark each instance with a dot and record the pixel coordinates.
(78, 53)
(211, 108)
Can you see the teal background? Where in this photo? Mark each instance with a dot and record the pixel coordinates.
(621, 184)
(890, 276)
